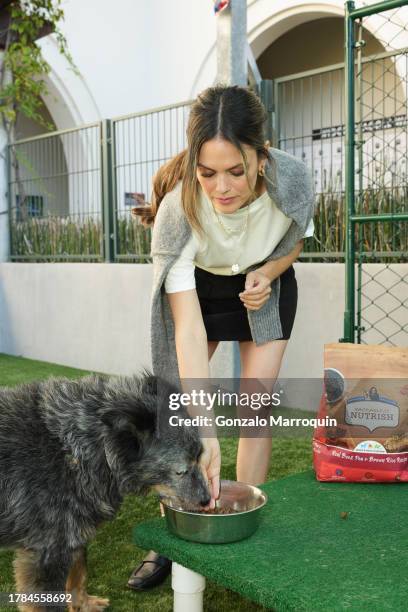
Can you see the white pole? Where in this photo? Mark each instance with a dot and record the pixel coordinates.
(188, 587)
(232, 69)
(232, 63)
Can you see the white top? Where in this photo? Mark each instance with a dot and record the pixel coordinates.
(221, 253)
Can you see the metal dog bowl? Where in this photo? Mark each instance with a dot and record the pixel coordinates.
(246, 501)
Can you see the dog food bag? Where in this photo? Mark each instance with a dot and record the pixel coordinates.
(365, 395)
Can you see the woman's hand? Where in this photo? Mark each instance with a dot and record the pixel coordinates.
(210, 463)
(257, 290)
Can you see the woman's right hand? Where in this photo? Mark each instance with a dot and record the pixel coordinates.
(210, 463)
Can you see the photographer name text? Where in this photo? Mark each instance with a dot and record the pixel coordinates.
(256, 421)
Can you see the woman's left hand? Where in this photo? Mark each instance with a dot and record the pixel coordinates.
(257, 290)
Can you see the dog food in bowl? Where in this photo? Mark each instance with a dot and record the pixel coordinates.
(236, 515)
(216, 510)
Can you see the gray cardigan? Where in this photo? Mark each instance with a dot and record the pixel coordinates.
(293, 194)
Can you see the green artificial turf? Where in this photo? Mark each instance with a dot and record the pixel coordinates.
(320, 547)
(112, 555)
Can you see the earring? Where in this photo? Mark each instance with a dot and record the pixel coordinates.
(261, 171)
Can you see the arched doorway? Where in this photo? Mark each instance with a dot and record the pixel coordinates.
(57, 172)
(306, 65)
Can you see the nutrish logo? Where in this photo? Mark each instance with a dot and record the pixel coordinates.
(372, 410)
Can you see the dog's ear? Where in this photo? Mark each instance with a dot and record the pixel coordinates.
(128, 403)
(147, 407)
(122, 447)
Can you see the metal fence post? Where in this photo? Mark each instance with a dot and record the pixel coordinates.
(349, 176)
(107, 191)
(9, 249)
(266, 91)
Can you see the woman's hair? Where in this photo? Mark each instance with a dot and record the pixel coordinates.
(231, 112)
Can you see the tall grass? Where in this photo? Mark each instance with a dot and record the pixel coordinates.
(133, 239)
(54, 238)
(379, 237)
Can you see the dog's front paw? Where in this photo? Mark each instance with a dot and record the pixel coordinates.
(90, 603)
(96, 604)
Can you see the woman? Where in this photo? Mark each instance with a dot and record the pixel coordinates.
(232, 217)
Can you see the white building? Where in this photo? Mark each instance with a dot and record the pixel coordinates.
(137, 56)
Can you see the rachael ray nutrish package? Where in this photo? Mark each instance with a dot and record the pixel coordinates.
(366, 396)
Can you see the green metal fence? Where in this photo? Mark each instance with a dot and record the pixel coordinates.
(55, 196)
(71, 191)
(376, 212)
(141, 143)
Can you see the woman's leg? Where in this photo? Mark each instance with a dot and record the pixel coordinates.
(258, 362)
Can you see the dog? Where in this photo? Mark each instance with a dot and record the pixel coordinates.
(70, 450)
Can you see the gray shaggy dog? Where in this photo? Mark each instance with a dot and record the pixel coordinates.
(70, 450)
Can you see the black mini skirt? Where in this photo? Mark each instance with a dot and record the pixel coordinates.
(225, 316)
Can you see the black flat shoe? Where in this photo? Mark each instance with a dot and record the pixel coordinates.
(153, 570)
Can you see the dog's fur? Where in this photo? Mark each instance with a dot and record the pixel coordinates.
(69, 452)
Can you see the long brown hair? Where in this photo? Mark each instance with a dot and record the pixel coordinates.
(232, 112)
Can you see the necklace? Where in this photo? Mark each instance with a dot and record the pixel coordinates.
(229, 231)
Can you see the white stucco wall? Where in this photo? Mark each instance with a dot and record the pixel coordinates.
(97, 317)
(132, 56)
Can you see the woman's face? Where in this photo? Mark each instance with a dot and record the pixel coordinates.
(220, 172)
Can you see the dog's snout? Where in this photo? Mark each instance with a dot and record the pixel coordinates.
(205, 501)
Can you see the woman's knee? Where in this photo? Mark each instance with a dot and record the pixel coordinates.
(262, 361)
